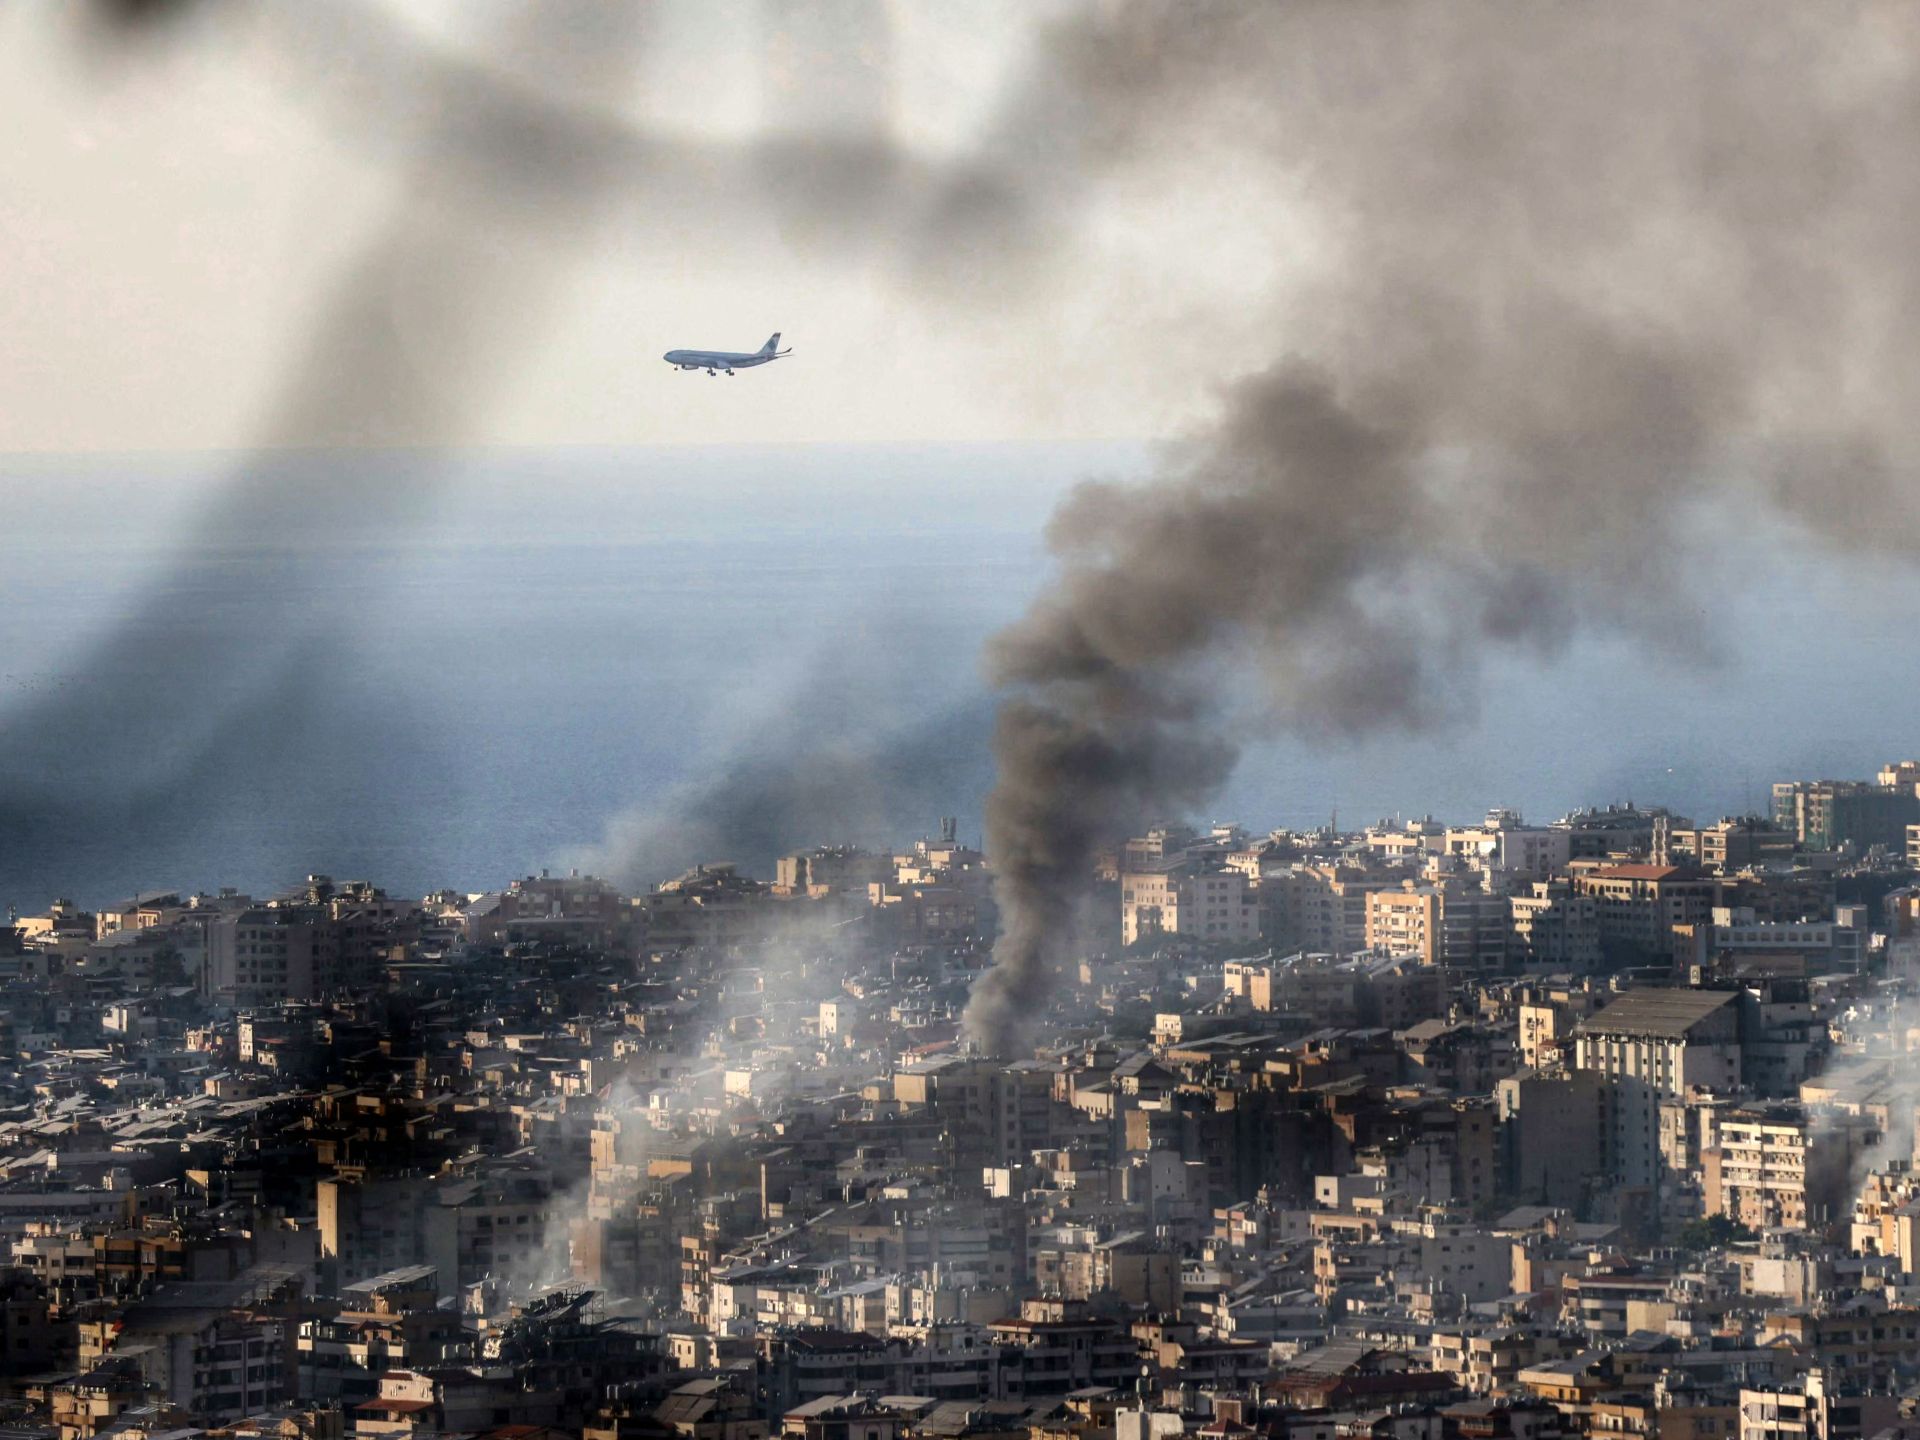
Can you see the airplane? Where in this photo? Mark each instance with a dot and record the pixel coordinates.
(727, 360)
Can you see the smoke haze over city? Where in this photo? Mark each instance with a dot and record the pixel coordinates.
(1361, 260)
(1256, 782)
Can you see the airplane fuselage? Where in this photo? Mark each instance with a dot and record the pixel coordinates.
(714, 361)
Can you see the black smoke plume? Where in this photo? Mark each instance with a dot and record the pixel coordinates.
(1574, 283)
(1558, 288)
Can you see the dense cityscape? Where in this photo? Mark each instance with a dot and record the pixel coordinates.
(1180, 408)
(1424, 1131)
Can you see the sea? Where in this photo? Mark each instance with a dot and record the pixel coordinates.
(632, 661)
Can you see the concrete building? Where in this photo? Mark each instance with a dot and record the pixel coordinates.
(1639, 906)
(390, 1322)
(1555, 928)
(1810, 1412)
(1452, 922)
(1739, 934)
(1504, 846)
(1549, 1013)
(1830, 814)
(272, 954)
(1776, 1165)
(465, 1227)
(1653, 1044)
(1212, 903)
(828, 870)
(1615, 831)
(1731, 844)
(1405, 921)
(1321, 909)
(1555, 1131)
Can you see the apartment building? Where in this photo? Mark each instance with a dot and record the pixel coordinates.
(1777, 1166)
(1653, 1044)
(1555, 927)
(1213, 903)
(1829, 814)
(1637, 907)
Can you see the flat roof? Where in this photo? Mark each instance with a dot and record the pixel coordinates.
(405, 1275)
(1659, 1011)
(1646, 872)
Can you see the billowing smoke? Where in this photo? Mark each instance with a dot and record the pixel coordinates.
(1553, 289)
(1573, 283)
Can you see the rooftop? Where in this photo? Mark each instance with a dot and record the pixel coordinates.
(1647, 872)
(1660, 1012)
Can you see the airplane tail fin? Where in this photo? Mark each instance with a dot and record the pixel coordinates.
(772, 346)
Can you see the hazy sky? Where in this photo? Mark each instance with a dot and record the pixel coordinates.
(311, 225)
(172, 212)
